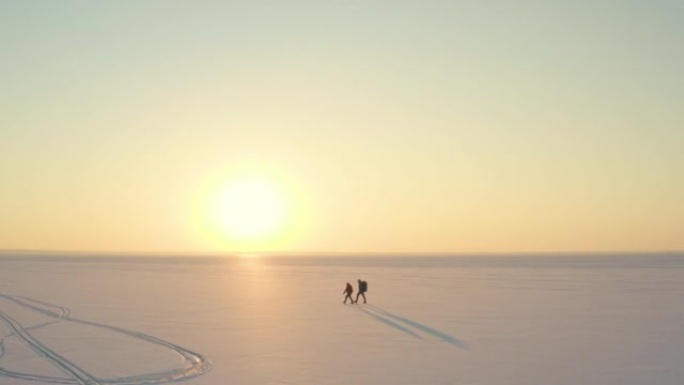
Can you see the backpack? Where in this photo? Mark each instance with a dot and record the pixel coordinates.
(364, 286)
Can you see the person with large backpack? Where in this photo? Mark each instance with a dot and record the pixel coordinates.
(363, 288)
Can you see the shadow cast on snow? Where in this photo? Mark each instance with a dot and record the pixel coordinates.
(388, 322)
(396, 322)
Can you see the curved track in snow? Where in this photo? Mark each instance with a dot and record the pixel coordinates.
(194, 363)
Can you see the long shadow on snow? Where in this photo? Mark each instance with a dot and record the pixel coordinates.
(417, 325)
(388, 322)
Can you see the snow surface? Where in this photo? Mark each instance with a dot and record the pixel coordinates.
(580, 320)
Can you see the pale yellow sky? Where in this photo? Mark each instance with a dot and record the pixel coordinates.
(437, 126)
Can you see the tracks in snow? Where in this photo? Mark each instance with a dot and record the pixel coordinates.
(194, 364)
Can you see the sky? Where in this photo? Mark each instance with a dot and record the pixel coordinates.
(377, 126)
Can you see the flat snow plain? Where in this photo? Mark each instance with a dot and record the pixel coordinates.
(486, 320)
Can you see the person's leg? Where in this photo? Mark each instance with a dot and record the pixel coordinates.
(364, 297)
(357, 297)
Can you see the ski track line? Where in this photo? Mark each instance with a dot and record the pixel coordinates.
(32, 327)
(64, 314)
(81, 376)
(196, 364)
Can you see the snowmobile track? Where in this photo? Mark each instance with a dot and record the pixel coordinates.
(194, 363)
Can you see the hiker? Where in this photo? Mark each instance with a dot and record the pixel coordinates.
(348, 291)
(363, 288)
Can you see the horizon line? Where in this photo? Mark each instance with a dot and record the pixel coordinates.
(105, 253)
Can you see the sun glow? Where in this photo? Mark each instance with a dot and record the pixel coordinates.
(249, 209)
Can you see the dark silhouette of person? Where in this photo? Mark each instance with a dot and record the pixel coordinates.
(348, 291)
(363, 288)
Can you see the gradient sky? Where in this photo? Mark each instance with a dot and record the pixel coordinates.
(396, 126)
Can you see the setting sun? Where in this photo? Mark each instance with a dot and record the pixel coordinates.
(253, 208)
(249, 209)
